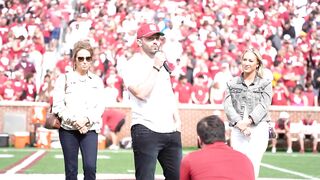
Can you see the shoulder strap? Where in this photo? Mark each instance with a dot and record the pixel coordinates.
(65, 82)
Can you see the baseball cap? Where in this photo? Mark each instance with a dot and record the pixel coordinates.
(147, 30)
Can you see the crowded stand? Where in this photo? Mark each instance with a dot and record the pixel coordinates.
(203, 42)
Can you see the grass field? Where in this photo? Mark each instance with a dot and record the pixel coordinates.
(274, 166)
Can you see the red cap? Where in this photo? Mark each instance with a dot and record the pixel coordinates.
(147, 30)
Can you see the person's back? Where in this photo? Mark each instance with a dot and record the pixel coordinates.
(216, 160)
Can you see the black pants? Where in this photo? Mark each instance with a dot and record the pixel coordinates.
(71, 141)
(148, 146)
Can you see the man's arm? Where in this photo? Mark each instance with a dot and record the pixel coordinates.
(143, 90)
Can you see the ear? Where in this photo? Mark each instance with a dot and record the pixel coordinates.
(200, 143)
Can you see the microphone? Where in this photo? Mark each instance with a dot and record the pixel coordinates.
(166, 66)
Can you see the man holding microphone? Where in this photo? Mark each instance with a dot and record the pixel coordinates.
(155, 128)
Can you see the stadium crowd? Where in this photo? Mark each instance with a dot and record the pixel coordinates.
(203, 41)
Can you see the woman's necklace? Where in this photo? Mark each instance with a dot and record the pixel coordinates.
(83, 78)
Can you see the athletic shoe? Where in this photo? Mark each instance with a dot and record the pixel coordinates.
(114, 147)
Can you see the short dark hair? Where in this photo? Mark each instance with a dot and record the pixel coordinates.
(211, 129)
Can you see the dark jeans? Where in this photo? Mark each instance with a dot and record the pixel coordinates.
(71, 141)
(148, 146)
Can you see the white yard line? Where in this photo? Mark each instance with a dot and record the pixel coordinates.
(26, 162)
(62, 176)
(289, 171)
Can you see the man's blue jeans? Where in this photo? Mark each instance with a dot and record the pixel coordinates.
(148, 146)
(71, 141)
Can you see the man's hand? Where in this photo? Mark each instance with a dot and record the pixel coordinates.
(159, 59)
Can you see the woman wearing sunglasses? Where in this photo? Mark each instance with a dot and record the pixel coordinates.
(78, 100)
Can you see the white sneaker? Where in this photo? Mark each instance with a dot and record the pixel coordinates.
(114, 147)
(289, 151)
(274, 150)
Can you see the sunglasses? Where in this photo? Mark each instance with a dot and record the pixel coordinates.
(81, 59)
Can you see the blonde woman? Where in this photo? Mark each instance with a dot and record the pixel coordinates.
(78, 100)
(246, 105)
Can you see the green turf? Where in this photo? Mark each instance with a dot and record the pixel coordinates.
(119, 162)
(17, 155)
(48, 164)
(122, 162)
(307, 163)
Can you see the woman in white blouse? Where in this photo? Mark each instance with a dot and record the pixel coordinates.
(78, 100)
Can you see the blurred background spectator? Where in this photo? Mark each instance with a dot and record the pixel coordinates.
(282, 129)
(308, 131)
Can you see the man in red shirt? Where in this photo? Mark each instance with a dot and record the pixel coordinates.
(65, 62)
(280, 94)
(309, 130)
(200, 92)
(183, 90)
(216, 160)
(282, 129)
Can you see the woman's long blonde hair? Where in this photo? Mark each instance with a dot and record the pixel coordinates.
(260, 67)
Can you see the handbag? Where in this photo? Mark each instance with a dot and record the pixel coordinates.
(53, 121)
(272, 133)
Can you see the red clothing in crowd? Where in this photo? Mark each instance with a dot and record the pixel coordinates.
(111, 118)
(216, 161)
(281, 123)
(201, 93)
(297, 100)
(279, 97)
(310, 96)
(62, 64)
(31, 91)
(113, 78)
(18, 87)
(183, 92)
(8, 91)
(307, 122)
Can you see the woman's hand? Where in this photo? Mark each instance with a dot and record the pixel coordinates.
(244, 124)
(81, 122)
(84, 130)
(247, 131)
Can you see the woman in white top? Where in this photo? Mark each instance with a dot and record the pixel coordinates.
(78, 101)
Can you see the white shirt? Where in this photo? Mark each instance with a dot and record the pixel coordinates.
(81, 98)
(156, 112)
